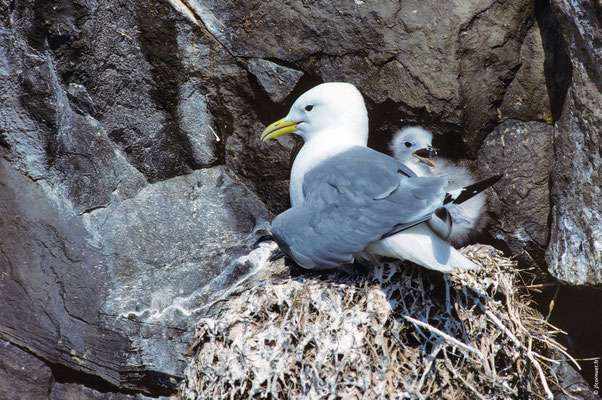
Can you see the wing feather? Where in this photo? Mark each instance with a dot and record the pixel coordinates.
(350, 201)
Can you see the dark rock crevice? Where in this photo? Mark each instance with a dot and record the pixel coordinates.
(557, 64)
(159, 46)
(387, 117)
(576, 311)
(58, 375)
(63, 375)
(499, 55)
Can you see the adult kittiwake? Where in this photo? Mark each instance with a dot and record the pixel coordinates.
(349, 200)
(412, 146)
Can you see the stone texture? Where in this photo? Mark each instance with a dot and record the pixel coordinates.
(71, 391)
(527, 97)
(444, 62)
(523, 153)
(178, 237)
(22, 376)
(120, 285)
(277, 80)
(581, 28)
(48, 265)
(574, 384)
(539, 88)
(574, 254)
(118, 219)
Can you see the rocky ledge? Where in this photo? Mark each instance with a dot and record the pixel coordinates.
(134, 189)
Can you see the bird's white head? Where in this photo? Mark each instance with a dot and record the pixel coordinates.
(333, 109)
(412, 146)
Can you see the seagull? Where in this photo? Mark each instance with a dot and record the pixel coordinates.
(412, 146)
(351, 201)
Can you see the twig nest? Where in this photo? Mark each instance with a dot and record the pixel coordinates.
(400, 332)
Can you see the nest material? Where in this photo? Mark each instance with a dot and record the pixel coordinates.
(400, 332)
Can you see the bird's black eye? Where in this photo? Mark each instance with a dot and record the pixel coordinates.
(408, 144)
(309, 108)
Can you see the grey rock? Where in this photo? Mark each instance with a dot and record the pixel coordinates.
(50, 140)
(293, 30)
(523, 153)
(233, 110)
(277, 80)
(48, 265)
(453, 64)
(119, 286)
(490, 46)
(136, 83)
(196, 122)
(176, 236)
(572, 383)
(352, 68)
(118, 222)
(574, 254)
(22, 376)
(71, 391)
(582, 31)
(527, 97)
(539, 88)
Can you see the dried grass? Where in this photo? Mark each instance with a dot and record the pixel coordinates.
(400, 332)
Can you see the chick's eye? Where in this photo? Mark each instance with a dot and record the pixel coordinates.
(309, 108)
(408, 144)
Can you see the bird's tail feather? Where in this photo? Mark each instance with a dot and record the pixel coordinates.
(420, 246)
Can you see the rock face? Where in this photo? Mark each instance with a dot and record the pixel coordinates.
(277, 80)
(22, 376)
(118, 218)
(523, 152)
(574, 253)
(433, 61)
(133, 185)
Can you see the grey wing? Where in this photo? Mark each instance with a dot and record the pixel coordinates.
(352, 200)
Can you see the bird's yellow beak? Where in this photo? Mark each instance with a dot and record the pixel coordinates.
(278, 128)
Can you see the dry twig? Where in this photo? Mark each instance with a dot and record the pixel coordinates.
(401, 332)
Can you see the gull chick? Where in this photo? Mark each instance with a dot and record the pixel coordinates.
(412, 146)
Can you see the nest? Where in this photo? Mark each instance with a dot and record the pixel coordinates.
(400, 331)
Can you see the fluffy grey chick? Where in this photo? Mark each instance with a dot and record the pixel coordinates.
(413, 147)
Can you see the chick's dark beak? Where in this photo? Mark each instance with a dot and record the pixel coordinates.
(424, 155)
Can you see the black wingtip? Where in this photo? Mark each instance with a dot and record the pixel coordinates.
(470, 191)
(276, 255)
(491, 181)
(263, 238)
